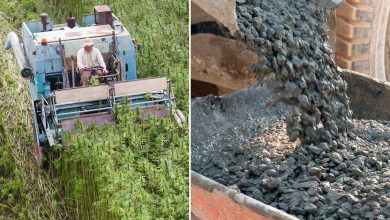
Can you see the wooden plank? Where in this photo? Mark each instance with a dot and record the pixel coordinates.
(82, 94)
(102, 91)
(140, 86)
(198, 15)
(223, 11)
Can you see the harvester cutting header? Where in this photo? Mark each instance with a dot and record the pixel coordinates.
(47, 56)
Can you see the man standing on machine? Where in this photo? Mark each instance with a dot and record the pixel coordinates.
(90, 61)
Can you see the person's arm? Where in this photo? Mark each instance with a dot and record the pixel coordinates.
(80, 64)
(100, 58)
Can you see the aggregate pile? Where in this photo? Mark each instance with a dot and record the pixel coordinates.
(241, 142)
(304, 154)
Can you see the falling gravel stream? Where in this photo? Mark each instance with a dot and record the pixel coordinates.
(290, 38)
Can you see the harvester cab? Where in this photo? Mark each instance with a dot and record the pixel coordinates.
(46, 54)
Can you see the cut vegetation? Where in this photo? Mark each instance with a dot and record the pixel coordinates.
(26, 191)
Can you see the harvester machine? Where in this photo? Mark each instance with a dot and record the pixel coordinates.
(46, 54)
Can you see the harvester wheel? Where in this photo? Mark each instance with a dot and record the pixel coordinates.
(363, 37)
(41, 151)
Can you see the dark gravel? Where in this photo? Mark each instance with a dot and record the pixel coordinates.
(307, 157)
(349, 180)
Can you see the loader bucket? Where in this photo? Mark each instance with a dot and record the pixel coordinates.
(211, 200)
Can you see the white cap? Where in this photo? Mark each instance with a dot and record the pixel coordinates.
(88, 42)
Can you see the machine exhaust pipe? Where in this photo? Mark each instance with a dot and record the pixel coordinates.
(13, 41)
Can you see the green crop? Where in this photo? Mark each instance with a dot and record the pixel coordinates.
(93, 81)
(136, 169)
(148, 96)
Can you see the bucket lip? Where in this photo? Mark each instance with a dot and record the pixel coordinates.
(239, 198)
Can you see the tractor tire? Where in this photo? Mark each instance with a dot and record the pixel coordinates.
(363, 37)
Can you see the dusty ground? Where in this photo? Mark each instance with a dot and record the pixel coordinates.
(221, 123)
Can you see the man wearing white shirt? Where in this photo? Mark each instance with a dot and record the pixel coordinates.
(89, 57)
